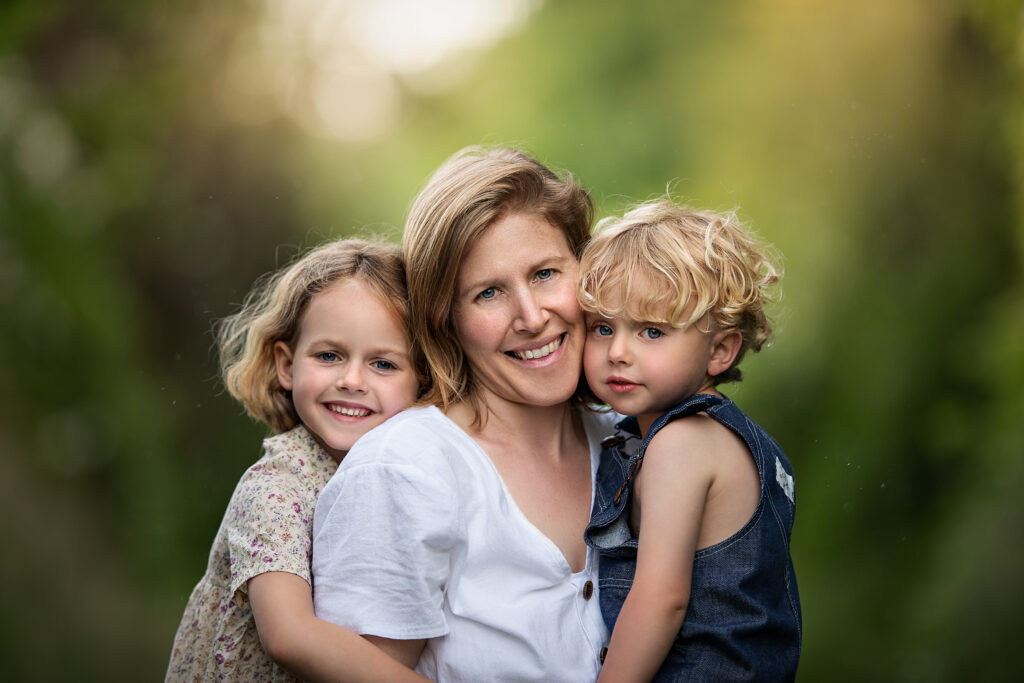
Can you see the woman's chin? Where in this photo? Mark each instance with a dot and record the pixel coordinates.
(552, 395)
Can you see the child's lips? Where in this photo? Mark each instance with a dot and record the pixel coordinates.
(621, 385)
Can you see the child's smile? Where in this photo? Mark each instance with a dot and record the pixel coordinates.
(349, 410)
(349, 369)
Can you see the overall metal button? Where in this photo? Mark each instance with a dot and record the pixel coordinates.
(612, 441)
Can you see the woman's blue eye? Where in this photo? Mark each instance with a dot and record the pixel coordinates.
(327, 356)
(488, 293)
(545, 273)
(384, 365)
(652, 332)
(603, 330)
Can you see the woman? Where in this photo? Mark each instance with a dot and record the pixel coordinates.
(452, 534)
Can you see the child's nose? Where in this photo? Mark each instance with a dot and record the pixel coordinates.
(352, 378)
(618, 350)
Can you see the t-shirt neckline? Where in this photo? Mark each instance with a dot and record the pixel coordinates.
(555, 551)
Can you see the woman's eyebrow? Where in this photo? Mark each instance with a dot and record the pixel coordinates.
(541, 263)
(480, 284)
(552, 259)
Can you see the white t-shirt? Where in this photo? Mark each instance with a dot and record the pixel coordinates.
(416, 536)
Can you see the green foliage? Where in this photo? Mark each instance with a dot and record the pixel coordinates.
(149, 173)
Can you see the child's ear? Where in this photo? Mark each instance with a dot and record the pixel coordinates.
(724, 347)
(283, 363)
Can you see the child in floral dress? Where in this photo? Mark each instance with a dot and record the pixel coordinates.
(320, 353)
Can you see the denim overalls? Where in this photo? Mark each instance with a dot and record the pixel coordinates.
(743, 618)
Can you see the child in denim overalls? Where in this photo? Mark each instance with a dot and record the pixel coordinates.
(674, 298)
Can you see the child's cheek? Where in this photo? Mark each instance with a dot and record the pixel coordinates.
(593, 361)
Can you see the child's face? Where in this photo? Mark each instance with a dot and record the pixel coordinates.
(644, 369)
(350, 369)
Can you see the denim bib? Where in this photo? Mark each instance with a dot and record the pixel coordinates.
(743, 619)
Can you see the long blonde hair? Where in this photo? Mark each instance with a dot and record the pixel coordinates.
(272, 312)
(463, 198)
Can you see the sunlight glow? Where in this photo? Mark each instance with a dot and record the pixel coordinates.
(410, 37)
(336, 65)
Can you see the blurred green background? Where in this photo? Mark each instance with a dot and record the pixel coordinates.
(156, 157)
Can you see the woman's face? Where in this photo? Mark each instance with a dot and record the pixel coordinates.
(516, 315)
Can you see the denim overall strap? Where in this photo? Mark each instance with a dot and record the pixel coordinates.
(621, 459)
(608, 530)
(695, 404)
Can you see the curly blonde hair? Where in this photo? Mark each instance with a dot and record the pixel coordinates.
(272, 312)
(660, 260)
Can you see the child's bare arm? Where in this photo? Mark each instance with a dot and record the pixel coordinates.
(405, 651)
(309, 647)
(672, 488)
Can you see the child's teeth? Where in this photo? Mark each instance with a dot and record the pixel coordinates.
(351, 412)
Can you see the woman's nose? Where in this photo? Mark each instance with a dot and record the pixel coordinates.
(531, 316)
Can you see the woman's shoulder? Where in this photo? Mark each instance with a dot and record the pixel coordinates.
(396, 466)
(417, 417)
(411, 437)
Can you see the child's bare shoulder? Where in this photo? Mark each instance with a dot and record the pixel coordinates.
(696, 437)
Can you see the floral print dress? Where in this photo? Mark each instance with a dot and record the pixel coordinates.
(268, 527)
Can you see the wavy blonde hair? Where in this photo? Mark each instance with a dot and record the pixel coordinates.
(660, 260)
(272, 312)
(465, 196)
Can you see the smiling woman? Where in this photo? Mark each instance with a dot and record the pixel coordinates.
(516, 313)
(468, 513)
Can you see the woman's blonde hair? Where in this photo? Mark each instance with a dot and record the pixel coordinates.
(273, 310)
(660, 260)
(464, 197)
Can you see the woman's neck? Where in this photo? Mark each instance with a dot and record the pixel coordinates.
(550, 431)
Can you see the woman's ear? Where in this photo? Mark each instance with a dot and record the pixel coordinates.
(724, 347)
(283, 363)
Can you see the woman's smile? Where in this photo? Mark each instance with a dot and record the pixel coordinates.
(516, 314)
(544, 351)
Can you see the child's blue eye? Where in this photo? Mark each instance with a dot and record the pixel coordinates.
(603, 330)
(651, 333)
(488, 293)
(384, 365)
(545, 273)
(327, 356)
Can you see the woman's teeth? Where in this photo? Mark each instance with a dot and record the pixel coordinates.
(351, 412)
(543, 351)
